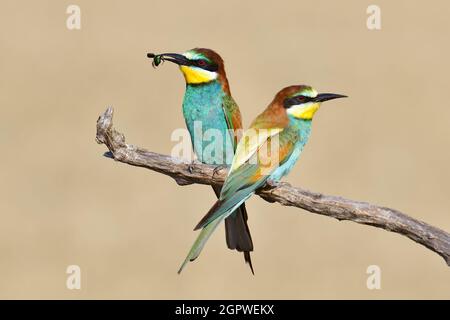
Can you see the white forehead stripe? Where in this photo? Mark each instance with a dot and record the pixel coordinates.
(310, 92)
(192, 55)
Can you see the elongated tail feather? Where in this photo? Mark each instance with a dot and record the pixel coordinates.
(200, 242)
(238, 234)
(224, 209)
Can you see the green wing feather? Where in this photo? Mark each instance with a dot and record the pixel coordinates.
(232, 117)
(221, 210)
(242, 181)
(238, 187)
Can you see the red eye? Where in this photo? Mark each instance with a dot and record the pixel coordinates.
(300, 99)
(201, 63)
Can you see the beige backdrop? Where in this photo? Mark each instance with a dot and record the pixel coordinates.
(128, 229)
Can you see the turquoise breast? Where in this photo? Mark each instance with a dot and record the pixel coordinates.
(303, 128)
(205, 120)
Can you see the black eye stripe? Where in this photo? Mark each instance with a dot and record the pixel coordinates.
(206, 65)
(296, 100)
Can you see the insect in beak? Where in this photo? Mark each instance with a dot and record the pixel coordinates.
(176, 58)
(157, 59)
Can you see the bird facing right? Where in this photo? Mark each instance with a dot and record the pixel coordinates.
(267, 151)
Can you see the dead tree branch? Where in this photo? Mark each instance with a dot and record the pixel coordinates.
(186, 173)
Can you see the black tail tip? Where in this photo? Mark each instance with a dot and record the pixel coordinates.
(248, 260)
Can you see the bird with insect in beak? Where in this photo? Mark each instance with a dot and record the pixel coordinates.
(208, 101)
(286, 121)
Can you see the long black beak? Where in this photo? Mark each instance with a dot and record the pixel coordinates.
(321, 97)
(172, 57)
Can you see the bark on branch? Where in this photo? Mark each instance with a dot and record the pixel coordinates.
(340, 208)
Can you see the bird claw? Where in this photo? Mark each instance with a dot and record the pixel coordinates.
(191, 166)
(219, 168)
(272, 183)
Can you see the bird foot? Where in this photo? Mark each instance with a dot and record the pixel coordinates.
(191, 166)
(271, 184)
(219, 168)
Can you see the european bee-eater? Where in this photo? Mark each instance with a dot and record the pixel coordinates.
(286, 121)
(207, 105)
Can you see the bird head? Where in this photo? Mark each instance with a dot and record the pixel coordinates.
(302, 102)
(199, 65)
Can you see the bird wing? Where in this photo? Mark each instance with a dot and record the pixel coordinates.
(232, 117)
(249, 144)
(241, 183)
(243, 180)
(237, 232)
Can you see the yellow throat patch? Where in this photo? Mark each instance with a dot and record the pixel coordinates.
(304, 111)
(196, 75)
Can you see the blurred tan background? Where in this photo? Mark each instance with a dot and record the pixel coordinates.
(63, 203)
